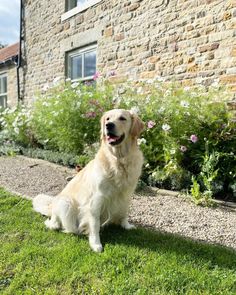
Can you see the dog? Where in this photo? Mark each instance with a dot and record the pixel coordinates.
(100, 193)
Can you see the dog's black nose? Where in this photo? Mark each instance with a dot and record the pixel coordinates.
(110, 126)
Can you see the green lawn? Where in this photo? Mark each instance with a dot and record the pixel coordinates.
(34, 260)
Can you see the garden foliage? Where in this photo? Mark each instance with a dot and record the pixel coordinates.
(189, 141)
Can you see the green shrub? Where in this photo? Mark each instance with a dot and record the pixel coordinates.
(189, 140)
(68, 118)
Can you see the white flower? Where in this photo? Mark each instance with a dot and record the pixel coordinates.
(150, 81)
(55, 113)
(161, 110)
(141, 141)
(184, 104)
(78, 92)
(135, 110)
(148, 98)
(46, 87)
(46, 104)
(166, 127)
(160, 79)
(139, 90)
(74, 85)
(16, 130)
(147, 165)
(187, 88)
(57, 80)
(172, 151)
(215, 83)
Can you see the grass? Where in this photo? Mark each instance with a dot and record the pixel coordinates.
(34, 260)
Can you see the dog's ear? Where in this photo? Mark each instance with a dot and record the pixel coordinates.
(102, 121)
(137, 126)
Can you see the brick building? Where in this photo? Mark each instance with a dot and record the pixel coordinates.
(193, 41)
(8, 75)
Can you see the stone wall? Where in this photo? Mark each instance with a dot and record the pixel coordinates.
(193, 41)
(12, 95)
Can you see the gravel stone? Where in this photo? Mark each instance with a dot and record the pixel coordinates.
(163, 212)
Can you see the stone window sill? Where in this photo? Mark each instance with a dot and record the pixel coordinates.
(78, 9)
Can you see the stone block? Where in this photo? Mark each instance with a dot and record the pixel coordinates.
(228, 79)
(231, 71)
(227, 15)
(233, 52)
(134, 6)
(108, 32)
(180, 69)
(154, 59)
(119, 37)
(118, 79)
(148, 75)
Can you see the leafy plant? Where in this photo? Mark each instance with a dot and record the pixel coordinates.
(179, 122)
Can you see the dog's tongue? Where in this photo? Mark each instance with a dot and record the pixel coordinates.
(112, 138)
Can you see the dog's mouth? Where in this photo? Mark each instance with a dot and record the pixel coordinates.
(113, 139)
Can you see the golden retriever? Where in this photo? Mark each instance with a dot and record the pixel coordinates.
(99, 194)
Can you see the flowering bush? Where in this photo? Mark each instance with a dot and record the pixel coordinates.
(189, 140)
(15, 125)
(184, 128)
(68, 119)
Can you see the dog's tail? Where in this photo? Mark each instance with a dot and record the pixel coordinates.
(43, 204)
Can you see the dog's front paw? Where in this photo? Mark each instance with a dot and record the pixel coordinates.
(126, 225)
(96, 247)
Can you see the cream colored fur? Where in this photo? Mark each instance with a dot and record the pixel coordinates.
(99, 194)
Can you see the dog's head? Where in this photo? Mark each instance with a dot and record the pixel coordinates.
(118, 125)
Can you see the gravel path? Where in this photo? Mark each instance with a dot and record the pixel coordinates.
(167, 213)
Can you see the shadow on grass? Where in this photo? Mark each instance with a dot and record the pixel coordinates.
(170, 243)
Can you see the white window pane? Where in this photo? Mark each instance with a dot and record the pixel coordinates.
(3, 101)
(79, 2)
(89, 63)
(3, 84)
(76, 67)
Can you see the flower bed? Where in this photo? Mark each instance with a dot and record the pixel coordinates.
(189, 141)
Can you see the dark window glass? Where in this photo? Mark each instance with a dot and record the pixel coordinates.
(76, 67)
(89, 63)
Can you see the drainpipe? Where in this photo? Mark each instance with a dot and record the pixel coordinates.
(20, 99)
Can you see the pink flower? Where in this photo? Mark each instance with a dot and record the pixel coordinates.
(90, 115)
(96, 76)
(151, 124)
(194, 138)
(183, 148)
(94, 102)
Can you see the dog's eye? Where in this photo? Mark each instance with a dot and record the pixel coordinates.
(122, 118)
(107, 118)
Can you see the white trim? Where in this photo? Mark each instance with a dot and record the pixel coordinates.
(78, 9)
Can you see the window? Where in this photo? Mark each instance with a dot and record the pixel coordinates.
(81, 63)
(3, 90)
(70, 4)
(76, 6)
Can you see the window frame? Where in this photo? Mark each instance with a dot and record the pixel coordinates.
(80, 51)
(4, 94)
(79, 8)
